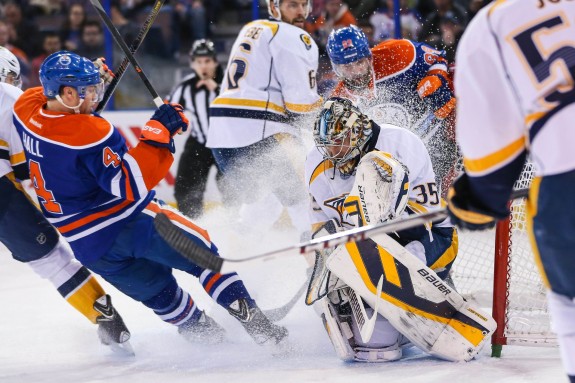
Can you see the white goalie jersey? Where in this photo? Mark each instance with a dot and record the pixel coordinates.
(329, 189)
(271, 76)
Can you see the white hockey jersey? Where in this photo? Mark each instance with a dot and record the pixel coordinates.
(12, 156)
(329, 189)
(515, 85)
(270, 76)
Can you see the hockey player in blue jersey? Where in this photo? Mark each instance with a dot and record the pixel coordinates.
(30, 238)
(401, 82)
(98, 194)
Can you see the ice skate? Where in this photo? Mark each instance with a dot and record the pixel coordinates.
(257, 325)
(204, 330)
(111, 328)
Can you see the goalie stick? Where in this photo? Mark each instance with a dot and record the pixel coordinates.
(120, 41)
(277, 314)
(202, 257)
(133, 48)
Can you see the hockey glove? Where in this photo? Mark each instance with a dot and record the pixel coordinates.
(465, 210)
(434, 91)
(106, 73)
(167, 120)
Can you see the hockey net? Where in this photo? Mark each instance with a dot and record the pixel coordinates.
(497, 269)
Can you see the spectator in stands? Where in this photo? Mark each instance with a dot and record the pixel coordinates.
(46, 7)
(188, 23)
(335, 15)
(7, 35)
(383, 22)
(26, 32)
(451, 30)
(362, 9)
(92, 43)
(70, 32)
(51, 43)
(430, 32)
(128, 29)
(474, 6)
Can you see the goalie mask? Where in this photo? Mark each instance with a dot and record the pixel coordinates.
(341, 132)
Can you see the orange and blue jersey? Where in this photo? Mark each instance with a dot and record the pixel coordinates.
(399, 66)
(87, 181)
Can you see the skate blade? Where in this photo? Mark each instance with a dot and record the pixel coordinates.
(123, 349)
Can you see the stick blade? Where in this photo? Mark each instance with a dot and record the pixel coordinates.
(184, 245)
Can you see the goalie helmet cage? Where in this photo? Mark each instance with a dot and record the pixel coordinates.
(497, 269)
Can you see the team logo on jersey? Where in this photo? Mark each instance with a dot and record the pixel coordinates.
(337, 204)
(64, 60)
(306, 40)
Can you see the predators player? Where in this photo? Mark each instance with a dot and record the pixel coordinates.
(31, 239)
(99, 196)
(401, 82)
(270, 84)
(361, 173)
(516, 92)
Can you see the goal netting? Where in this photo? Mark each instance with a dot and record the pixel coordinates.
(497, 269)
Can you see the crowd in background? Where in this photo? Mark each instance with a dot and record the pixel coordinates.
(33, 29)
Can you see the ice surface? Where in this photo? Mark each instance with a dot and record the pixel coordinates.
(42, 339)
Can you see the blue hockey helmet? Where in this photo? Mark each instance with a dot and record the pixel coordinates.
(65, 68)
(347, 45)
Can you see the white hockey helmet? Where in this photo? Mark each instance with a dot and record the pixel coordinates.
(277, 6)
(9, 68)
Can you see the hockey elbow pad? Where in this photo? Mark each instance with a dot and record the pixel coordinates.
(464, 210)
(434, 91)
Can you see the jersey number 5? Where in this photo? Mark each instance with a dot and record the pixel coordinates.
(46, 195)
(527, 41)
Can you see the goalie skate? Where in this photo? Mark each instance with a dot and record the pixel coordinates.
(112, 330)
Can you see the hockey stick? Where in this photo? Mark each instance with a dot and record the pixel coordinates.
(120, 41)
(208, 260)
(277, 314)
(133, 48)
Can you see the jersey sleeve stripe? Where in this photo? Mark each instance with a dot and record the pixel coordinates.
(303, 108)
(250, 103)
(128, 193)
(137, 175)
(495, 160)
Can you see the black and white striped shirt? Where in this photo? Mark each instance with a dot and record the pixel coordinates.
(196, 101)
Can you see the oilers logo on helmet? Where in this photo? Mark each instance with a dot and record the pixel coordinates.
(347, 45)
(65, 68)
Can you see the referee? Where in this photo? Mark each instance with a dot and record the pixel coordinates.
(195, 93)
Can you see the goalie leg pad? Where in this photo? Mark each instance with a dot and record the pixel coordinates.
(380, 190)
(432, 315)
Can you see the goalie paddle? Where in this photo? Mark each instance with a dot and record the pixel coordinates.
(120, 41)
(202, 257)
(133, 48)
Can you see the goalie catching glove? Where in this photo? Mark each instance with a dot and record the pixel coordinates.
(465, 210)
(167, 120)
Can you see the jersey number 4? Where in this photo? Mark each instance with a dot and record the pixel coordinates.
(46, 195)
